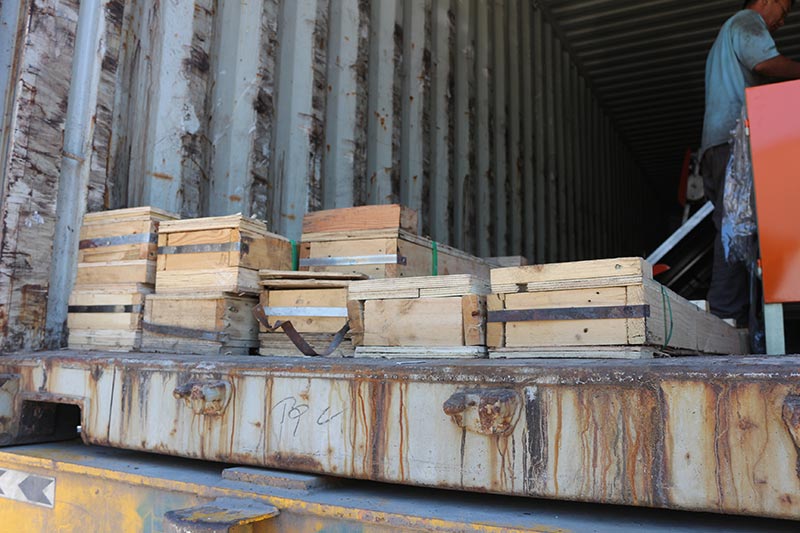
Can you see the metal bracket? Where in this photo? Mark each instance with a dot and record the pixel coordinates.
(205, 248)
(205, 397)
(296, 338)
(388, 259)
(492, 412)
(105, 308)
(119, 240)
(186, 333)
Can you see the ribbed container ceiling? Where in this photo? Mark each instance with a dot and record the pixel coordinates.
(646, 63)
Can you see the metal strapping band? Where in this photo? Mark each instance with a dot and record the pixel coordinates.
(296, 338)
(204, 248)
(570, 313)
(323, 312)
(118, 240)
(389, 259)
(187, 333)
(105, 308)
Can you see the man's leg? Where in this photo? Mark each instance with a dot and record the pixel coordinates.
(728, 295)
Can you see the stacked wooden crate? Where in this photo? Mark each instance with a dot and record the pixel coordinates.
(429, 317)
(604, 308)
(314, 303)
(381, 242)
(207, 284)
(116, 269)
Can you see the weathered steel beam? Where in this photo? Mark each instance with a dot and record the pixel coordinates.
(73, 181)
(11, 14)
(706, 434)
(233, 113)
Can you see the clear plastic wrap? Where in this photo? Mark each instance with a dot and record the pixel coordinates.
(739, 225)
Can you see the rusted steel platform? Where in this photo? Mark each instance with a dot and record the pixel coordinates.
(709, 434)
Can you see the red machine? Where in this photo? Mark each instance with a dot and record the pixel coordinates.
(774, 116)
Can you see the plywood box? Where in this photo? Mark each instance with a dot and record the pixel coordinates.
(386, 254)
(119, 246)
(434, 316)
(314, 303)
(603, 308)
(107, 318)
(204, 324)
(217, 253)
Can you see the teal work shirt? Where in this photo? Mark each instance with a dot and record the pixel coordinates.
(743, 42)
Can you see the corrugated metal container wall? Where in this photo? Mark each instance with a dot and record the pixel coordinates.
(471, 111)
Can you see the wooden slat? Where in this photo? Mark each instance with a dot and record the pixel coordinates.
(211, 223)
(454, 285)
(421, 352)
(234, 279)
(580, 274)
(363, 218)
(584, 352)
(130, 213)
(107, 340)
(473, 313)
(284, 275)
(116, 272)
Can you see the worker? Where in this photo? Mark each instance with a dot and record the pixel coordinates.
(743, 55)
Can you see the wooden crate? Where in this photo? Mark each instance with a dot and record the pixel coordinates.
(204, 324)
(119, 247)
(217, 254)
(607, 308)
(386, 254)
(433, 316)
(380, 241)
(107, 318)
(314, 303)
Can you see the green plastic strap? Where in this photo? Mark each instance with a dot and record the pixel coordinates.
(434, 259)
(295, 256)
(667, 304)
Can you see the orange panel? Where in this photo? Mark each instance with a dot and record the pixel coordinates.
(775, 145)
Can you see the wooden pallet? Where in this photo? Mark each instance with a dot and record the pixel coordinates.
(406, 317)
(119, 247)
(604, 308)
(205, 324)
(218, 253)
(106, 318)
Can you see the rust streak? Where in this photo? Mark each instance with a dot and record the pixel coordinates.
(161, 176)
(557, 447)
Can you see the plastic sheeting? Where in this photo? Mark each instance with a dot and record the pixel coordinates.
(739, 224)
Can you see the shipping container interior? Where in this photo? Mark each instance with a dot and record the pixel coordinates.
(552, 129)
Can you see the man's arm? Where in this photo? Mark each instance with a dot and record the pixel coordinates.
(779, 67)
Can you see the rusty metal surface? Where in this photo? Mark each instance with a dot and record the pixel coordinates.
(711, 434)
